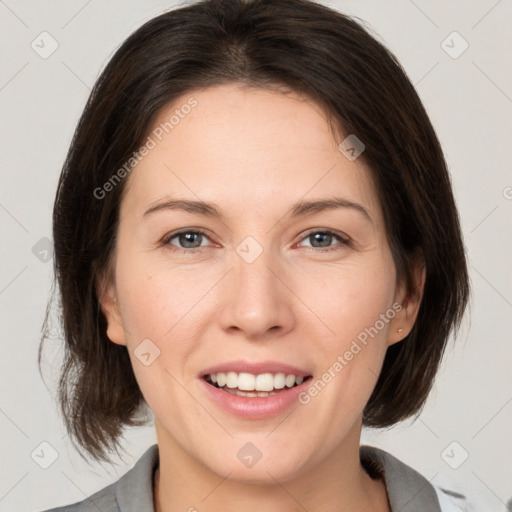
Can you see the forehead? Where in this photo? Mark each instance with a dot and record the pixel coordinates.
(249, 148)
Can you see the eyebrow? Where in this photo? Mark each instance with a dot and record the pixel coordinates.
(299, 209)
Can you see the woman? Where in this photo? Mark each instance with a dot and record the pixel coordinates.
(256, 242)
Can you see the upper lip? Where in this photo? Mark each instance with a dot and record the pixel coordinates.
(255, 368)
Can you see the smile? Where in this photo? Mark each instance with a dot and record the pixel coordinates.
(248, 384)
(280, 392)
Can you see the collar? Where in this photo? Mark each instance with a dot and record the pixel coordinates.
(134, 490)
(408, 491)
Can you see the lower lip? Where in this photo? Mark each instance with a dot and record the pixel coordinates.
(256, 407)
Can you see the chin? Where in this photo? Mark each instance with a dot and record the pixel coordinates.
(265, 470)
(263, 475)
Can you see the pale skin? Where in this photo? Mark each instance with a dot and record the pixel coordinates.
(254, 153)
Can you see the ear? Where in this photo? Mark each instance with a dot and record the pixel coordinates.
(410, 301)
(110, 307)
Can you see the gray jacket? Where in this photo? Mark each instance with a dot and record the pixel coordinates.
(407, 490)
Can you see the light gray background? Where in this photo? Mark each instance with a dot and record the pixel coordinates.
(469, 101)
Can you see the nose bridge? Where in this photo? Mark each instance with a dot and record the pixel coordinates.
(252, 268)
(256, 300)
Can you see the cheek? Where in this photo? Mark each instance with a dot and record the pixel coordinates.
(351, 299)
(161, 327)
(163, 312)
(156, 300)
(356, 305)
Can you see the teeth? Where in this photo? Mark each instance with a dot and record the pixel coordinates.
(250, 393)
(231, 380)
(221, 379)
(263, 382)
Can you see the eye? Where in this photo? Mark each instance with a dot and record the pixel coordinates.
(324, 238)
(189, 239)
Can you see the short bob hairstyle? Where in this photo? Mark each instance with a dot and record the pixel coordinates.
(297, 45)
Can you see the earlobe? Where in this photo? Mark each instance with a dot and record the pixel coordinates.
(110, 308)
(404, 321)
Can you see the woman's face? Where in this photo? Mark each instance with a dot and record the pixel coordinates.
(259, 285)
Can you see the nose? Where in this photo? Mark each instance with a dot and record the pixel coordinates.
(256, 298)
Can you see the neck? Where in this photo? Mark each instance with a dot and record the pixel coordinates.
(338, 484)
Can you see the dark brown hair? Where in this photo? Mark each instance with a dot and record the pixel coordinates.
(310, 49)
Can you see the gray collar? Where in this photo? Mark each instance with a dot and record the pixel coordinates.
(408, 491)
(134, 490)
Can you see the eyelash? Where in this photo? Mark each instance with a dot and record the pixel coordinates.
(343, 241)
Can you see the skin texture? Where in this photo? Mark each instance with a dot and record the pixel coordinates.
(254, 153)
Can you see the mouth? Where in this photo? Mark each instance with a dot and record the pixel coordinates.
(255, 385)
(255, 391)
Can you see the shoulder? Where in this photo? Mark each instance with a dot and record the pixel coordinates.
(133, 492)
(407, 489)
